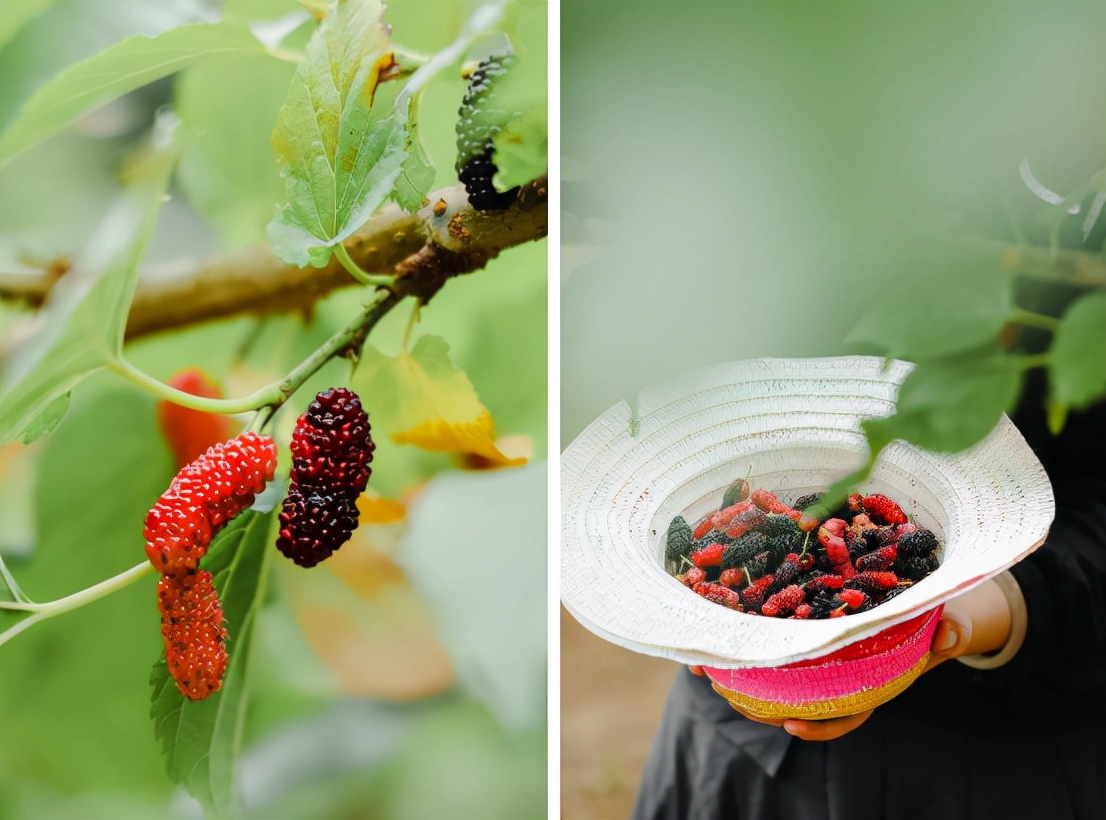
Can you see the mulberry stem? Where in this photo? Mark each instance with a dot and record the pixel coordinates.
(268, 399)
(355, 270)
(128, 371)
(40, 612)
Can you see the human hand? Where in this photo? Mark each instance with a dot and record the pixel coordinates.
(976, 622)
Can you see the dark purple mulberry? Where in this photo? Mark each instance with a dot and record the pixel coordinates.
(331, 452)
(917, 544)
(912, 568)
(313, 526)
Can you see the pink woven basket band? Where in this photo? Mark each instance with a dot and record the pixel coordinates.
(864, 665)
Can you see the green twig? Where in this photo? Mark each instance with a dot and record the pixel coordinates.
(349, 338)
(1031, 319)
(40, 612)
(354, 270)
(163, 391)
(1032, 361)
(268, 399)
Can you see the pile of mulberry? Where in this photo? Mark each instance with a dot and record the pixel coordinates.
(780, 561)
(199, 502)
(331, 452)
(475, 149)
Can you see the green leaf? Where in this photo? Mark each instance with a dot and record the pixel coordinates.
(1077, 360)
(522, 144)
(521, 150)
(124, 67)
(15, 13)
(418, 173)
(339, 161)
(85, 729)
(927, 316)
(81, 328)
(201, 739)
(47, 419)
(490, 515)
(227, 107)
(947, 405)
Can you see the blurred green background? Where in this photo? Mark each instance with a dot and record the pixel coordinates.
(739, 178)
(366, 700)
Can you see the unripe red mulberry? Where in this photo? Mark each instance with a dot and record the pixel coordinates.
(883, 509)
(202, 497)
(193, 632)
(881, 559)
(190, 432)
(718, 594)
(784, 601)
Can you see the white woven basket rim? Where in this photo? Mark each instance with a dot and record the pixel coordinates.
(795, 424)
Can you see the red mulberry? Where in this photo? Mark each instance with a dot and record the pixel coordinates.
(193, 632)
(753, 593)
(692, 577)
(331, 445)
(718, 594)
(190, 432)
(784, 601)
(708, 556)
(731, 577)
(884, 509)
(881, 559)
(875, 581)
(203, 497)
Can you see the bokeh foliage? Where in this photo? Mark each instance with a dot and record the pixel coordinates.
(75, 731)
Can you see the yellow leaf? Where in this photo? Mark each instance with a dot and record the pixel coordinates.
(473, 438)
(421, 398)
(379, 510)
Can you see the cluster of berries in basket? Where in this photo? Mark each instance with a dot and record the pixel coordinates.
(759, 555)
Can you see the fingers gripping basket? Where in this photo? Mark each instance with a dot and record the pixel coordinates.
(792, 426)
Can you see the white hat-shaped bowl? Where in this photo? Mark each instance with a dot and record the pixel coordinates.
(791, 426)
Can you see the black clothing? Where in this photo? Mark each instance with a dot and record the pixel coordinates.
(1026, 741)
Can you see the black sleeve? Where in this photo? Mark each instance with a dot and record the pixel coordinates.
(1064, 582)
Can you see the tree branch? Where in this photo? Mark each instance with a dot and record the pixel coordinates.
(445, 238)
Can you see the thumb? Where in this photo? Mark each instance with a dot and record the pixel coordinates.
(950, 639)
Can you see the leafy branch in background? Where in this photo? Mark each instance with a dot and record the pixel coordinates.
(982, 313)
(347, 140)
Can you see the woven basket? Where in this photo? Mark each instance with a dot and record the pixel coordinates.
(853, 679)
(792, 426)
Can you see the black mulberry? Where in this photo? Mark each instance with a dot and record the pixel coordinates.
(678, 540)
(917, 544)
(314, 526)
(475, 149)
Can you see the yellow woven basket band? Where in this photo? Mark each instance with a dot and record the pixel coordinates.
(822, 709)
